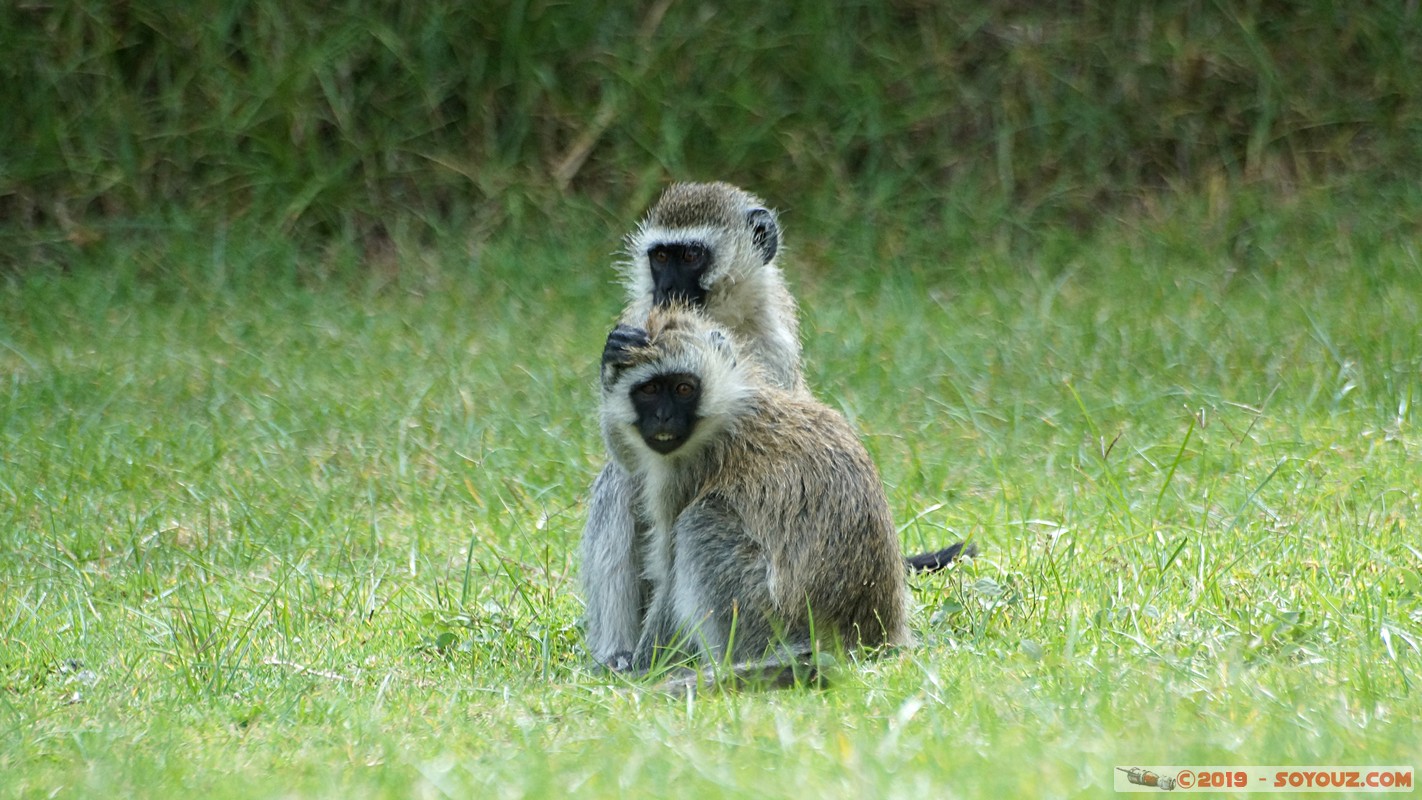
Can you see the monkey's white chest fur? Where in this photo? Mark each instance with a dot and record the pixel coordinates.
(663, 499)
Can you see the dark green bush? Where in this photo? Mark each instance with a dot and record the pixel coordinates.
(344, 119)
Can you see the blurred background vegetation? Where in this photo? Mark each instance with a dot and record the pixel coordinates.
(383, 123)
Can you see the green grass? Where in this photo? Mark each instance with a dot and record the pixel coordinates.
(267, 528)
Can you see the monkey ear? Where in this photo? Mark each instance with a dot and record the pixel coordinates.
(765, 233)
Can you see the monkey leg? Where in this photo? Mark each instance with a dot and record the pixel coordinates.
(716, 602)
(611, 573)
(721, 589)
(722, 597)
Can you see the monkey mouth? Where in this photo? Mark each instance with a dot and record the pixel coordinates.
(664, 441)
(692, 294)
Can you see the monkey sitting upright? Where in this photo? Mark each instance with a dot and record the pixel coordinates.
(769, 529)
(716, 248)
(712, 246)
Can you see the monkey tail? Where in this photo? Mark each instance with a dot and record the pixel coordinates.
(938, 559)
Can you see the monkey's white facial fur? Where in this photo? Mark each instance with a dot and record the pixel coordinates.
(683, 347)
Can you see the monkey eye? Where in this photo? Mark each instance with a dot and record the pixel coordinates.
(659, 255)
(685, 389)
(692, 253)
(649, 388)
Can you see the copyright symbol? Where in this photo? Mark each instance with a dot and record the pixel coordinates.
(1185, 779)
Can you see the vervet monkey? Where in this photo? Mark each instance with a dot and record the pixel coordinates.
(714, 247)
(769, 531)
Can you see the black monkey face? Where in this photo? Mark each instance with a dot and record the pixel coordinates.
(666, 410)
(677, 270)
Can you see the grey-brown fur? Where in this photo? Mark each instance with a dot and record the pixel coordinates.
(769, 530)
(685, 205)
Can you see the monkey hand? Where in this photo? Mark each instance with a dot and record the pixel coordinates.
(617, 354)
(621, 661)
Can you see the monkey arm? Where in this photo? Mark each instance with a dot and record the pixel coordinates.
(611, 573)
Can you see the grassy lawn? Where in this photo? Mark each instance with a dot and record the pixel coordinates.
(265, 531)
